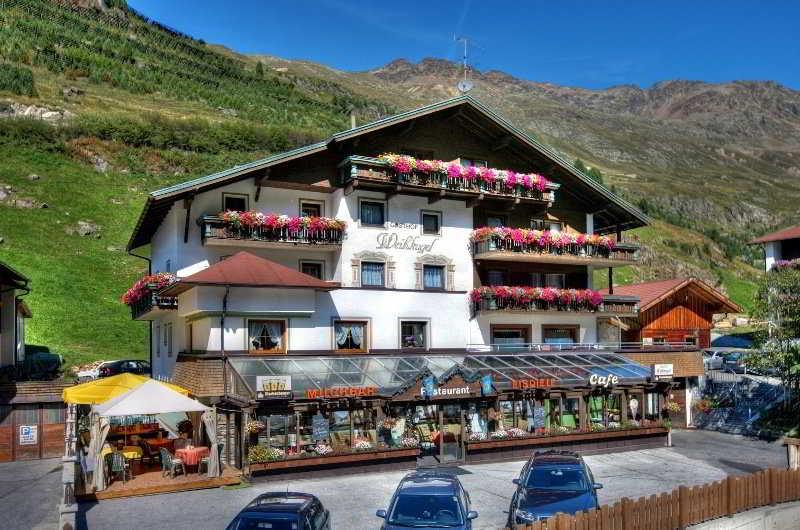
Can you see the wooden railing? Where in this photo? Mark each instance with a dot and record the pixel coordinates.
(356, 169)
(683, 506)
(213, 227)
(624, 252)
(146, 303)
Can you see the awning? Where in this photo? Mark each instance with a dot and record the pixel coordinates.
(101, 390)
(149, 399)
(295, 377)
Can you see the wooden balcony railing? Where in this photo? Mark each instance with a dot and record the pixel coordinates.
(362, 171)
(214, 228)
(506, 248)
(147, 303)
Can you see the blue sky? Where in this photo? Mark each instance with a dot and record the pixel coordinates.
(590, 44)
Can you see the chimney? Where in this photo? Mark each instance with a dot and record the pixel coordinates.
(353, 119)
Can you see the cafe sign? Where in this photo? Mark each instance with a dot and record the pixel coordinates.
(273, 386)
(603, 381)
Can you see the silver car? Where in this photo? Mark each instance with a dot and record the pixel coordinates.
(713, 360)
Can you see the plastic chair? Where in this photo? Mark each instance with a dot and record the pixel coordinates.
(119, 464)
(169, 463)
(204, 460)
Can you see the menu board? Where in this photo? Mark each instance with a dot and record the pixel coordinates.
(319, 428)
(538, 417)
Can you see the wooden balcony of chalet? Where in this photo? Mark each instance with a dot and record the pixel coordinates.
(216, 232)
(376, 174)
(595, 255)
(148, 306)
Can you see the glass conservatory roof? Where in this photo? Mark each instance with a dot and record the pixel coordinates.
(391, 374)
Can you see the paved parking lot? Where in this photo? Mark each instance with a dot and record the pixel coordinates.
(697, 457)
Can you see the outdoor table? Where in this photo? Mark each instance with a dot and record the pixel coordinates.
(191, 456)
(131, 452)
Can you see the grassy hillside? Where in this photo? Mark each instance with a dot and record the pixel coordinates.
(141, 107)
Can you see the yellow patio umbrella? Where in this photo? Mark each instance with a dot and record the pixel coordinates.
(101, 390)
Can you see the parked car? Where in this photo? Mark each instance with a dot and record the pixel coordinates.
(283, 511)
(110, 368)
(552, 482)
(713, 360)
(735, 361)
(429, 499)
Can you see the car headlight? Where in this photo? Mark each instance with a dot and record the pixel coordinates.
(524, 516)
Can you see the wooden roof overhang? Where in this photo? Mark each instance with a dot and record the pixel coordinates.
(614, 213)
(718, 301)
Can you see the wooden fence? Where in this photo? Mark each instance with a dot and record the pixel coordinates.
(683, 506)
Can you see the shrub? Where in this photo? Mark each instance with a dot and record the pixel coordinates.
(17, 79)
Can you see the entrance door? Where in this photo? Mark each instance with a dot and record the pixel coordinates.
(451, 440)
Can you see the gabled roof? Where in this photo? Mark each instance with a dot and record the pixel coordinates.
(247, 270)
(793, 232)
(160, 201)
(650, 293)
(9, 276)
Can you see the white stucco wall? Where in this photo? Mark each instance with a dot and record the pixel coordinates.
(772, 253)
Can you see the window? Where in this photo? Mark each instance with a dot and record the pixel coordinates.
(189, 338)
(412, 335)
(547, 224)
(168, 266)
(312, 268)
(234, 201)
(226, 256)
(554, 280)
(168, 339)
(350, 336)
(467, 162)
(267, 336)
(690, 339)
(310, 208)
(659, 340)
(431, 223)
(495, 277)
(433, 277)
(158, 341)
(372, 274)
(373, 213)
(559, 334)
(494, 221)
(509, 335)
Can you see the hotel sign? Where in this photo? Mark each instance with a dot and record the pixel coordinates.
(662, 371)
(341, 392)
(394, 241)
(526, 384)
(273, 386)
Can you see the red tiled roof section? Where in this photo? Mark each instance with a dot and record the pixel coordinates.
(647, 291)
(247, 270)
(793, 232)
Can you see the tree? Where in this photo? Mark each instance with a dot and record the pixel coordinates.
(259, 69)
(591, 172)
(777, 302)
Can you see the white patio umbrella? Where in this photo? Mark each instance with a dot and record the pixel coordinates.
(148, 399)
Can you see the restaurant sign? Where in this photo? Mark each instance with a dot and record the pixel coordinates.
(28, 434)
(662, 371)
(525, 384)
(341, 392)
(273, 386)
(604, 381)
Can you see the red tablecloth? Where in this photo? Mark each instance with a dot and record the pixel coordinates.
(192, 457)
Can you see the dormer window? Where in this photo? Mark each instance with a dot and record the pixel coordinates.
(468, 162)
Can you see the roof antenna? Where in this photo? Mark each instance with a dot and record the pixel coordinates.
(465, 85)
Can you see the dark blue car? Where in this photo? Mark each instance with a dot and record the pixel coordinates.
(283, 511)
(552, 482)
(428, 499)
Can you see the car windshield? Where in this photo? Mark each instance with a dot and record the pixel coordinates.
(421, 511)
(247, 521)
(557, 478)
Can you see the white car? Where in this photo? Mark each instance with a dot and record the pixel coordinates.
(713, 360)
(91, 374)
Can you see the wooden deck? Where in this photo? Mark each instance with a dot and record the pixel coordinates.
(151, 482)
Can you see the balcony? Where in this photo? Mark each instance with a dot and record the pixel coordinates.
(547, 299)
(378, 174)
(534, 246)
(217, 231)
(152, 302)
(610, 347)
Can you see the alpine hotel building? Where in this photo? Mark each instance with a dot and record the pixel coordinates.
(417, 287)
